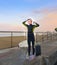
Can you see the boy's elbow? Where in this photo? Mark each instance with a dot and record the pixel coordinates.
(38, 25)
(23, 22)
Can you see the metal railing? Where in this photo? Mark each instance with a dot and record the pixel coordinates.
(9, 39)
(46, 36)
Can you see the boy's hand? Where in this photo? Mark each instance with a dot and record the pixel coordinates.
(34, 22)
(26, 20)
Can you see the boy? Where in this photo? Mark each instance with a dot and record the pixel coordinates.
(30, 37)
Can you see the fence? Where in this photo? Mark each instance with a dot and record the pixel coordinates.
(46, 36)
(9, 39)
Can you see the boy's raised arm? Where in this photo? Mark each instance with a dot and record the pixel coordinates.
(36, 25)
(24, 23)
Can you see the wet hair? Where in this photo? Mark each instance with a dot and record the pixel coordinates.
(30, 19)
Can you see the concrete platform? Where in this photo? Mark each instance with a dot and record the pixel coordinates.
(17, 56)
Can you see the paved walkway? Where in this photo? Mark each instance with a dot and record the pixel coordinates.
(16, 56)
(48, 48)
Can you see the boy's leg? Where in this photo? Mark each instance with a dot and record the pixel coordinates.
(29, 47)
(33, 50)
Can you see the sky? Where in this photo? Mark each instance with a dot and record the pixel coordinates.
(14, 12)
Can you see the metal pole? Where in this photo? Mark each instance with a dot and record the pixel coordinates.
(42, 37)
(51, 36)
(11, 39)
(47, 35)
(36, 37)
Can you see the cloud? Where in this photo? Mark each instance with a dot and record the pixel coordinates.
(47, 18)
(8, 27)
(12, 27)
(49, 22)
(40, 14)
(45, 10)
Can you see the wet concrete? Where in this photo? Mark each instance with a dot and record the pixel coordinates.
(17, 56)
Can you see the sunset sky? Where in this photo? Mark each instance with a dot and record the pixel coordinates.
(14, 12)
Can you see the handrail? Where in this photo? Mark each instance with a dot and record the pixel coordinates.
(44, 36)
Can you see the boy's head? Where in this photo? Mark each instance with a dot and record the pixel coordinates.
(29, 21)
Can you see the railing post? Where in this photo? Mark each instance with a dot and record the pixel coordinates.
(42, 37)
(11, 39)
(36, 37)
(25, 36)
(56, 36)
(47, 35)
(51, 36)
